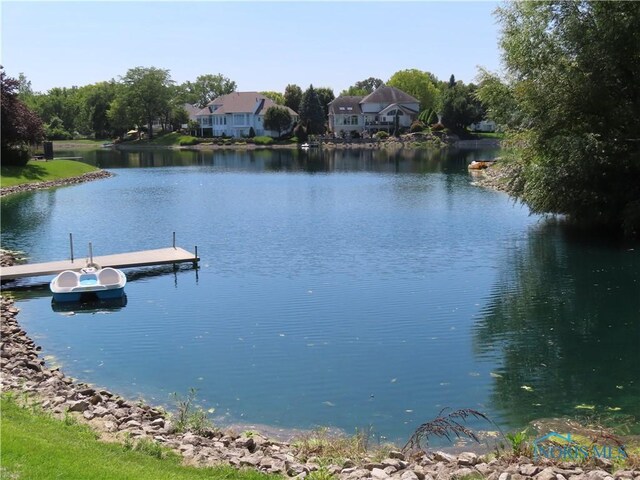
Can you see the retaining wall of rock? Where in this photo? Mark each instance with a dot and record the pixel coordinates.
(27, 187)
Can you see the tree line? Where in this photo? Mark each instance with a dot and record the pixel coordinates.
(145, 95)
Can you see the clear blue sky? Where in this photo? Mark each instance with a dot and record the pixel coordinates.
(259, 45)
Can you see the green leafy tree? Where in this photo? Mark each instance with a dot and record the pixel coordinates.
(293, 97)
(19, 125)
(206, 88)
(311, 112)
(576, 79)
(277, 97)
(277, 118)
(499, 100)
(363, 87)
(326, 96)
(418, 84)
(147, 93)
(120, 116)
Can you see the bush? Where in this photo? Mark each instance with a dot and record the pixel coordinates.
(437, 127)
(381, 135)
(417, 126)
(188, 141)
(355, 134)
(263, 140)
(252, 132)
(301, 133)
(18, 156)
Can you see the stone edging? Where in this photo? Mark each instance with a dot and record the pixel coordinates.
(28, 187)
(24, 371)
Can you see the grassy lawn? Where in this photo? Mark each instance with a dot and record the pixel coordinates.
(39, 171)
(37, 446)
(168, 139)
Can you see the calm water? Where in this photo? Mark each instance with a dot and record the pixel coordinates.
(345, 289)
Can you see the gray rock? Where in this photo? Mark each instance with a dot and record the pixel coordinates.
(348, 463)
(88, 414)
(505, 476)
(79, 406)
(529, 470)
(158, 422)
(110, 426)
(443, 457)
(546, 474)
(133, 424)
(371, 465)
(397, 455)
(409, 475)
(379, 474)
(627, 474)
(462, 472)
(468, 459)
(100, 411)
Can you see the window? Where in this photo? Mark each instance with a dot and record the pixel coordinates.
(239, 119)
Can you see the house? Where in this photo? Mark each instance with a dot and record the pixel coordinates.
(377, 111)
(483, 126)
(192, 111)
(236, 113)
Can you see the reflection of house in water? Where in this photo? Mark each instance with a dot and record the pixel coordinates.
(380, 110)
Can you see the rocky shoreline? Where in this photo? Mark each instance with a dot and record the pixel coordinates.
(117, 419)
(28, 187)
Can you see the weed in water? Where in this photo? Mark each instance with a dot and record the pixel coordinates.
(446, 426)
(190, 417)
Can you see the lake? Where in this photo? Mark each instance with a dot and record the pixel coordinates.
(353, 289)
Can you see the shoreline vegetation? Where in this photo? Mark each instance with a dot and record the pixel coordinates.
(36, 394)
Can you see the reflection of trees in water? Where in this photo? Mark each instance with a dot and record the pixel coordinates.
(24, 213)
(564, 319)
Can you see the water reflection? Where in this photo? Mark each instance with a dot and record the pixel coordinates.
(90, 307)
(400, 160)
(563, 321)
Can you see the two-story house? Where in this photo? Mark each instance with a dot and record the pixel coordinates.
(236, 113)
(374, 112)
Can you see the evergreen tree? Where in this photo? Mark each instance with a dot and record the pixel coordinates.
(311, 112)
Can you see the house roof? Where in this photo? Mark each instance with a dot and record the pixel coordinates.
(192, 110)
(386, 94)
(242, 102)
(408, 111)
(345, 105)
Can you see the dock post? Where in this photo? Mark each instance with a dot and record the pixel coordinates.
(195, 260)
(90, 254)
(71, 245)
(174, 240)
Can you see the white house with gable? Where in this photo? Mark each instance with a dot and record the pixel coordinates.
(236, 113)
(374, 112)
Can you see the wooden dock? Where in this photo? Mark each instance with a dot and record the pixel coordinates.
(161, 256)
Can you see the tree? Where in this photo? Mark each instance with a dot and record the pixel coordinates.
(277, 118)
(292, 97)
(363, 87)
(326, 96)
(277, 97)
(206, 88)
(460, 106)
(417, 83)
(576, 79)
(19, 125)
(147, 94)
(498, 99)
(311, 112)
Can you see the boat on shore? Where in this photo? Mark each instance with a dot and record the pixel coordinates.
(90, 283)
(480, 165)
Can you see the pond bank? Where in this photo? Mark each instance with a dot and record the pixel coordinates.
(28, 187)
(115, 418)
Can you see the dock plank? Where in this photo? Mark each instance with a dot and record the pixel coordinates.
(144, 258)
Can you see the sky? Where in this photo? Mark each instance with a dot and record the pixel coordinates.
(260, 45)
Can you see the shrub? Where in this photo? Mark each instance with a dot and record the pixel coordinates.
(381, 135)
(262, 140)
(187, 141)
(417, 126)
(301, 133)
(18, 156)
(355, 134)
(252, 132)
(437, 127)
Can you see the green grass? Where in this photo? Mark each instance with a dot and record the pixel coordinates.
(37, 446)
(39, 171)
(173, 138)
(496, 135)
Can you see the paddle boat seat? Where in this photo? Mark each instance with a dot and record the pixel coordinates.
(108, 276)
(68, 279)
